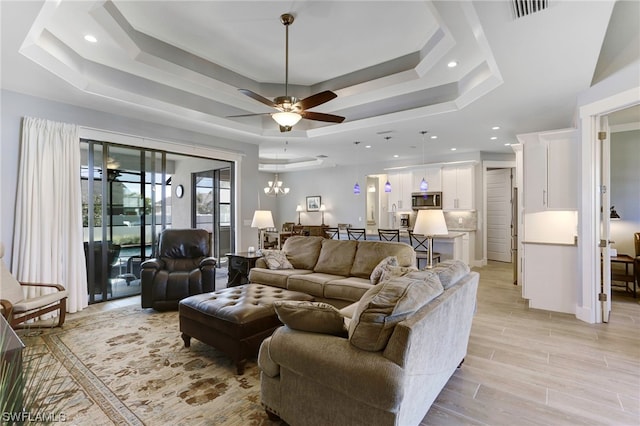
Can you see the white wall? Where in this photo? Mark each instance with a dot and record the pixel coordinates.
(625, 189)
(15, 106)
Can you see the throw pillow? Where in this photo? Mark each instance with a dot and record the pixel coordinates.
(384, 264)
(315, 317)
(276, 259)
(385, 305)
(450, 271)
(396, 271)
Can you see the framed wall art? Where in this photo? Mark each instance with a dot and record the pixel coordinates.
(313, 203)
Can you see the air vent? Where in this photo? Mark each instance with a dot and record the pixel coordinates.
(322, 156)
(523, 8)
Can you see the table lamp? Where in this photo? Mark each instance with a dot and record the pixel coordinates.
(299, 209)
(322, 209)
(430, 223)
(262, 219)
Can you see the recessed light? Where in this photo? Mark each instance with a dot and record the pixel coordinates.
(507, 144)
(452, 64)
(395, 156)
(434, 137)
(367, 146)
(91, 38)
(495, 128)
(453, 149)
(493, 138)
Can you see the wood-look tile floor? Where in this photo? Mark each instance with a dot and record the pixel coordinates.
(532, 367)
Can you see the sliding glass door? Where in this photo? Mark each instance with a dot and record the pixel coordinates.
(129, 197)
(212, 209)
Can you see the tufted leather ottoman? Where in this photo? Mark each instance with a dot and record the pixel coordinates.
(235, 320)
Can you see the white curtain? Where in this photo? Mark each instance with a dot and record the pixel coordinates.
(48, 238)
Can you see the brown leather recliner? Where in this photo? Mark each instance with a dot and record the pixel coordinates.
(183, 268)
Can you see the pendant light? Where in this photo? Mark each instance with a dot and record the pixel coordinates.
(424, 185)
(387, 186)
(356, 187)
(275, 187)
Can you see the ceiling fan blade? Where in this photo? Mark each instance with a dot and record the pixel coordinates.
(319, 116)
(315, 100)
(258, 98)
(246, 115)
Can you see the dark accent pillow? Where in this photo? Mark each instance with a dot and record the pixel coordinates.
(315, 317)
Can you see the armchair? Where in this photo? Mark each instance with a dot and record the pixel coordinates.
(16, 309)
(183, 268)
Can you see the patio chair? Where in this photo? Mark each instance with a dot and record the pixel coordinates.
(17, 309)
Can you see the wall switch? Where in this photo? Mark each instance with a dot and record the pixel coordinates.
(359, 218)
(459, 221)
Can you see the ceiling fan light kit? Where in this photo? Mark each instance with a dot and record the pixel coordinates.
(290, 109)
(286, 118)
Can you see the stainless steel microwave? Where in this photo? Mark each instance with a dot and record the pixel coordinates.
(426, 200)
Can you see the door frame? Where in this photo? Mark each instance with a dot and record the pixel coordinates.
(588, 307)
(488, 164)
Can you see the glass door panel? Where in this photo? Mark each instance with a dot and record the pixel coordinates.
(127, 202)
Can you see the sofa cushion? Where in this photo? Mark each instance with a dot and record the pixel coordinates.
(276, 259)
(274, 277)
(385, 305)
(370, 253)
(336, 257)
(351, 288)
(303, 252)
(312, 284)
(380, 267)
(315, 317)
(396, 271)
(450, 271)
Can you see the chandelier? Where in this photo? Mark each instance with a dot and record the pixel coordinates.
(275, 188)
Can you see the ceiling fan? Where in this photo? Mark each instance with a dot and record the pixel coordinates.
(290, 109)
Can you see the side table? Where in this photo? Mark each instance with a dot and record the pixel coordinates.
(239, 265)
(627, 277)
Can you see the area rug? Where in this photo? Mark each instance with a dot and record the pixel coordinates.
(129, 367)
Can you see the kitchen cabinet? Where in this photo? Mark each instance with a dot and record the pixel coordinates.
(431, 175)
(550, 277)
(550, 168)
(457, 188)
(466, 254)
(400, 195)
(449, 246)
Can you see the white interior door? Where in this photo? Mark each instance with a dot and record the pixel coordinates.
(605, 203)
(499, 215)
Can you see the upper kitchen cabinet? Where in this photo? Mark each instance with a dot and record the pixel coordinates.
(550, 168)
(457, 188)
(400, 196)
(431, 175)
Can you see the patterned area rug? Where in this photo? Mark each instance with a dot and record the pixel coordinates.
(129, 367)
